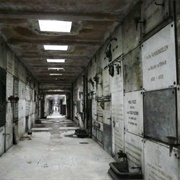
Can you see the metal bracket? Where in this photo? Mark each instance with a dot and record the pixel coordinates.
(5, 134)
(138, 21)
(159, 4)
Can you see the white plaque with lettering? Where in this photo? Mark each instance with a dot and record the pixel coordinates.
(134, 151)
(158, 163)
(116, 86)
(94, 109)
(133, 111)
(158, 60)
(118, 136)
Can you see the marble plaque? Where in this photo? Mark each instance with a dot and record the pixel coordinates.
(158, 163)
(133, 111)
(159, 60)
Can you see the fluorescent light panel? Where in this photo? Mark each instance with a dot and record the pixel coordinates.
(55, 90)
(56, 47)
(55, 74)
(56, 60)
(55, 26)
(57, 69)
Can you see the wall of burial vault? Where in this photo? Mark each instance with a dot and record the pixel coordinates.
(134, 90)
(16, 81)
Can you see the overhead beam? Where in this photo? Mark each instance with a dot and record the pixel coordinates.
(55, 93)
(62, 82)
(43, 69)
(72, 16)
(66, 56)
(58, 41)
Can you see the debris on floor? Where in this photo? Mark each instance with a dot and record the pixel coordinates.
(25, 137)
(81, 133)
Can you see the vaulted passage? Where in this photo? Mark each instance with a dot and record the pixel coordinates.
(89, 78)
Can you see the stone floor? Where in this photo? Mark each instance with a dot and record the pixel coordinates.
(54, 153)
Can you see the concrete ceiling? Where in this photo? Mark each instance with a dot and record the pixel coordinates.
(93, 21)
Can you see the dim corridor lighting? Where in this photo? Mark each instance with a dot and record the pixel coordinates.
(55, 74)
(56, 69)
(56, 47)
(56, 60)
(57, 90)
(55, 26)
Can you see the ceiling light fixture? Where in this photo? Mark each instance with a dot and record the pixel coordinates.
(56, 47)
(55, 90)
(56, 69)
(56, 60)
(55, 26)
(55, 74)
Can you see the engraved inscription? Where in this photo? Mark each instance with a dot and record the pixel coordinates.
(158, 162)
(134, 112)
(158, 60)
(133, 148)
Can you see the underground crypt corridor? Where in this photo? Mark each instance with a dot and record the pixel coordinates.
(89, 89)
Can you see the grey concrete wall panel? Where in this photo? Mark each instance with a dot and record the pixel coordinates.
(116, 86)
(134, 150)
(22, 73)
(107, 138)
(117, 107)
(158, 163)
(1, 140)
(159, 60)
(98, 62)
(9, 125)
(16, 67)
(131, 31)
(106, 87)
(9, 83)
(99, 112)
(117, 137)
(21, 108)
(93, 69)
(21, 126)
(116, 82)
(132, 68)
(133, 112)
(22, 90)
(100, 136)
(15, 94)
(3, 54)
(10, 62)
(154, 14)
(28, 92)
(160, 114)
(94, 109)
(107, 119)
(31, 108)
(94, 131)
(104, 59)
(28, 108)
(99, 86)
(116, 45)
